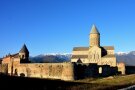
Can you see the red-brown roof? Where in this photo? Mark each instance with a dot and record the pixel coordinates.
(108, 47)
(80, 56)
(80, 48)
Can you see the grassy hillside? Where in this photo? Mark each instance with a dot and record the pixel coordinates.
(20, 83)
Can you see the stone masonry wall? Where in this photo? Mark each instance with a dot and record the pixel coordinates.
(121, 68)
(63, 71)
(4, 68)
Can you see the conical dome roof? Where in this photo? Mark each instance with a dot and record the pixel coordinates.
(24, 49)
(94, 30)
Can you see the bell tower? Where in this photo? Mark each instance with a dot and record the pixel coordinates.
(94, 37)
(94, 55)
(24, 54)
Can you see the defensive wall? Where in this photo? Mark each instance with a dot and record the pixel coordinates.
(63, 71)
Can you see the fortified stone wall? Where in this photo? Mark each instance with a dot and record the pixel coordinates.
(63, 71)
(121, 68)
(130, 69)
(107, 70)
(85, 70)
(4, 68)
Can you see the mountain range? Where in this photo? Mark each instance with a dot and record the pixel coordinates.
(127, 57)
(51, 58)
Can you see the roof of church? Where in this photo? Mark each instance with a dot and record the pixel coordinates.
(108, 56)
(15, 55)
(80, 48)
(94, 30)
(87, 48)
(79, 61)
(79, 56)
(12, 55)
(24, 49)
(108, 47)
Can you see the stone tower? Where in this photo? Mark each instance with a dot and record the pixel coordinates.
(94, 55)
(94, 37)
(24, 54)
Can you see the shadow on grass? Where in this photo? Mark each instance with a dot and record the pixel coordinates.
(24, 83)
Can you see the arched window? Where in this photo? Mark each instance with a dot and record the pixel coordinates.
(22, 56)
(100, 70)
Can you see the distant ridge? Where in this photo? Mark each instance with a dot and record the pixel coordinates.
(51, 58)
(127, 57)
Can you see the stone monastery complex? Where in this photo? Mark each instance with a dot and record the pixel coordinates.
(91, 61)
(94, 53)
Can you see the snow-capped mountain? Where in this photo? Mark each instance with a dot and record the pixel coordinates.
(121, 53)
(127, 57)
(125, 53)
(51, 58)
(57, 54)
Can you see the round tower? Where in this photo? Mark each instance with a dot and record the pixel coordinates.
(24, 54)
(94, 37)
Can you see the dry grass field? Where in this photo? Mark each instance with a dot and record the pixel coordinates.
(108, 83)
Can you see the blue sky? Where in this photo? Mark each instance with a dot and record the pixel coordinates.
(56, 26)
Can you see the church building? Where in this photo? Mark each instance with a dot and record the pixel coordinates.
(21, 57)
(94, 53)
